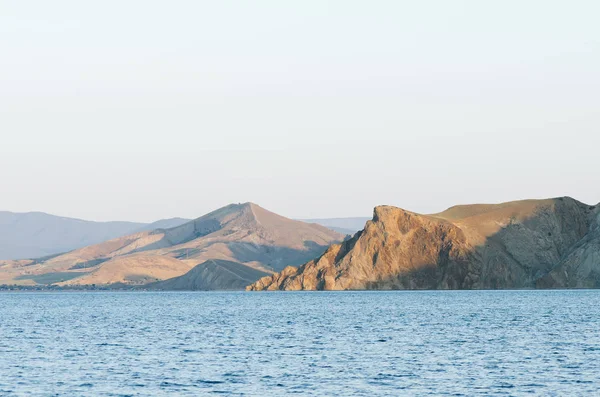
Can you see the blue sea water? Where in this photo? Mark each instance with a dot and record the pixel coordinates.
(306, 343)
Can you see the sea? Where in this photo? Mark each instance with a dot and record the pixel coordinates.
(396, 343)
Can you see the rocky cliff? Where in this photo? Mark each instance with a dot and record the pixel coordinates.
(525, 244)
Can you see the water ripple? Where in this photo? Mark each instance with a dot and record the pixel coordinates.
(315, 344)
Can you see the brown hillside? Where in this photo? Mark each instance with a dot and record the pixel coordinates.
(241, 233)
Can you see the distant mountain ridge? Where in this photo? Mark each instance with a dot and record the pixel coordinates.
(37, 234)
(161, 224)
(341, 225)
(552, 243)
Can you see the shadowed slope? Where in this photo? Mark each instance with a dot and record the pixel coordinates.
(212, 275)
(581, 267)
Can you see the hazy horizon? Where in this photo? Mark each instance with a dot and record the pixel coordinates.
(138, 111)
(369, 215)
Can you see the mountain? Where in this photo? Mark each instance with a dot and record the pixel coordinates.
(214, 274)
(36, 234)
(341, 225)
(552, 243)
(241, 233)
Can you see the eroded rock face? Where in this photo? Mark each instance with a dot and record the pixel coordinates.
(580, 268)
(511, 245)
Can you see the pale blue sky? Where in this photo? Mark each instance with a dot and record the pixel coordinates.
(139, 110)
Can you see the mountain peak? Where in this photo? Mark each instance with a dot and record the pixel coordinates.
(383, 212)
(255, 239)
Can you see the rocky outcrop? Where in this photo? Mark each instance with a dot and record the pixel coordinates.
(520, 244)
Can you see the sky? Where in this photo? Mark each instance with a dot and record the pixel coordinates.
(141, 110)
